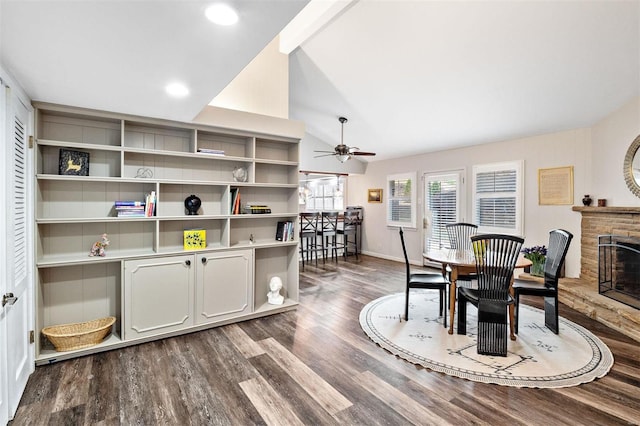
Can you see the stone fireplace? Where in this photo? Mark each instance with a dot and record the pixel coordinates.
(583, 294)
(619, 268)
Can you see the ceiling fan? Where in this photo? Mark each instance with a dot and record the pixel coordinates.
(342, 151)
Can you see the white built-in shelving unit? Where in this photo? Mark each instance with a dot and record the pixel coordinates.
(147, 280)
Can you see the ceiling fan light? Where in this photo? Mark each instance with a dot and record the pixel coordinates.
(343, 157)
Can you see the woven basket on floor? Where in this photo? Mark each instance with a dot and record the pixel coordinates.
(67, 337)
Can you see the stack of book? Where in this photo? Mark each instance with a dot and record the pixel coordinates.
(130, 208)
(284, 231)
(211, 151)
(256, 209)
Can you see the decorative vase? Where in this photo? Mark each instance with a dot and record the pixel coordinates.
(537, 269)
(587, 200)
(192, 203)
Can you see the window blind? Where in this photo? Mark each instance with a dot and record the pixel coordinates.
(442, 202)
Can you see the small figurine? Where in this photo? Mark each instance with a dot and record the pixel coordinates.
(99, 246)
(274, 297)
(251, 240)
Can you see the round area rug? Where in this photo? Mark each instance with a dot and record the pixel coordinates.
(538, 358)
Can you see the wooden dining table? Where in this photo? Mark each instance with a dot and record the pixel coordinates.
(463, 262)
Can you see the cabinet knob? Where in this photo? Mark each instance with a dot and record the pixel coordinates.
(204, 260)
(187, 262)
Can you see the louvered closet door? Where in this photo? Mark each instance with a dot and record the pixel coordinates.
(18, 314)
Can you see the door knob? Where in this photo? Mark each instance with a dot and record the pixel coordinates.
(187, 262)
(9, 298)
(204, 260)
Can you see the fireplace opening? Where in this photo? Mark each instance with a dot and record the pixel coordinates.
(619, 268)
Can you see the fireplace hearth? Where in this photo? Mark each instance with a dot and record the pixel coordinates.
(619, 268)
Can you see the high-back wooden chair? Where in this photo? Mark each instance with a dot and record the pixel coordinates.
(460, 235)
(559, 241)
(496, 256)
(425, 280)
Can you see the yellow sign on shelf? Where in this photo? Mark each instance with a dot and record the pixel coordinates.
(195, 239)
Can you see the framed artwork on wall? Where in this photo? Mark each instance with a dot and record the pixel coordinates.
(374, 195)
(73, 163)
(555, 186)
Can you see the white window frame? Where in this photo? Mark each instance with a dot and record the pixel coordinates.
(391, 198)
(518, 167)
(457, 176)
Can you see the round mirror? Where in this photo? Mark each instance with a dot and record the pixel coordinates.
(632, 167)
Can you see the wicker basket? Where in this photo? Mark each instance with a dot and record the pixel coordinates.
(67, 337)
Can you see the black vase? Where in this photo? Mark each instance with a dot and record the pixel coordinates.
(587, 200)
(192, 204)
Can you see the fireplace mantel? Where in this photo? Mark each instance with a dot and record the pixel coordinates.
(618, 210)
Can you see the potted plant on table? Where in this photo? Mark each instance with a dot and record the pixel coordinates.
(537, 255)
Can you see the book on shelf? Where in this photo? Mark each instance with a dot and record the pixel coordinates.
(125, 203)
(211, 151)
(131, 213)
(195, 239)
(284, 231)
(256, 209)
(150, 204)
(235, 201)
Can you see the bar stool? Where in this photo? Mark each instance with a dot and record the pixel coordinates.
(308, 232)
(328, 231)
(349, 228)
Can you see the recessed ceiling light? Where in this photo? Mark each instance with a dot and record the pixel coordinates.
(221, 14)
(177, 90)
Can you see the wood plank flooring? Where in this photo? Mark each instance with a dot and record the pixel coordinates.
(312, 366)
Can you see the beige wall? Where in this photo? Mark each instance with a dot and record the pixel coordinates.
(606, 142)
(611, 139)
(262, 87)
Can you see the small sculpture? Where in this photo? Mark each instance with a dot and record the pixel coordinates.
(240, 174)
(192, 203)
(274, 297)
(98, 247)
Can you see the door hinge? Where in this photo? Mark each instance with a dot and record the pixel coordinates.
(32, 336)
(31, 142)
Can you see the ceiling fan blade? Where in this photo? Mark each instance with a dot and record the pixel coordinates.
(332, 152)
(324, 155)
(362, 153)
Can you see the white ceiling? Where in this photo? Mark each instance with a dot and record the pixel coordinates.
(120, 55)
(411, 76)
(420, 76)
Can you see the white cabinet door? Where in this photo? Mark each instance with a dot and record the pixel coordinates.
(158, 295)
(224, 285)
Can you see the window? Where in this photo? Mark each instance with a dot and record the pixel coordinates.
(442, 194)
(497, 201)
(321, 194)
(401, 202)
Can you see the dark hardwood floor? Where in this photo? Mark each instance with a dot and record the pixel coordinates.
(312, 366)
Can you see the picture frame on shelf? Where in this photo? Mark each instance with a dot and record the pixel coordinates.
(73, 162)
(374, 195)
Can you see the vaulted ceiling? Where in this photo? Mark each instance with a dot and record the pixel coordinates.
(411, 76)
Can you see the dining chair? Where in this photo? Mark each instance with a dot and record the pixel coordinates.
(496, 256)
(349, 228)
(308, 236)
(559, 241)
(328, 232)
(460, 235)
(460, 239)
(424, 280)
